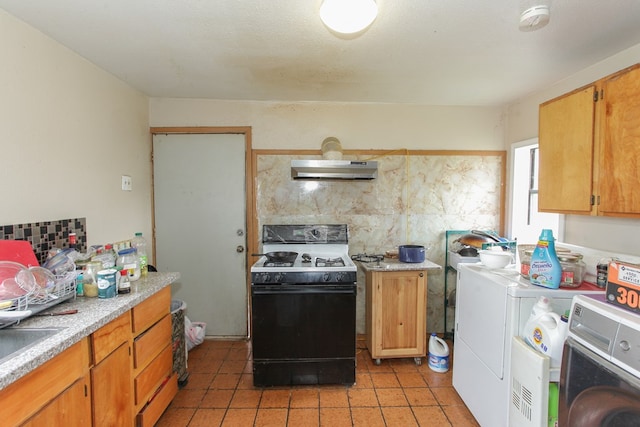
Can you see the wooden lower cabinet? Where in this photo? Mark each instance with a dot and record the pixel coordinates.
(32, 393)
(154, 382)
(111, 385)
(396, 314)
(121, 375)
(72, 408)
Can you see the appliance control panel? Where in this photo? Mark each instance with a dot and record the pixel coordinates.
(298, 278)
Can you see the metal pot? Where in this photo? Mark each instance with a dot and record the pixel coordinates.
(468, 251)
(280, 256)
(411, 253)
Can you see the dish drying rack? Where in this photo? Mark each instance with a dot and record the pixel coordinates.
(63, 289)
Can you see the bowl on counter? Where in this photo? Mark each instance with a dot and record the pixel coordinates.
(495, 258)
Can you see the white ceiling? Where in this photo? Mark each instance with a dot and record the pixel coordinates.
(436, 52)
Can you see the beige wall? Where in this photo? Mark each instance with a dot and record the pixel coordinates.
(620, 235)
(69, 131)
(304, 125)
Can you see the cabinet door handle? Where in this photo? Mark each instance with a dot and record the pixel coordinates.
(421, 274)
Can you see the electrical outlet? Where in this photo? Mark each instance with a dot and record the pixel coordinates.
(126, 183)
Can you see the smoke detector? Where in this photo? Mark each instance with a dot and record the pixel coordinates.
(534, 18)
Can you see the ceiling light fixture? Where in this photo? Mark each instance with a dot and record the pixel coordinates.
(534, 17)
(348, 16)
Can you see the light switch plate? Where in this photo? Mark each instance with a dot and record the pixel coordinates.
(126, 183)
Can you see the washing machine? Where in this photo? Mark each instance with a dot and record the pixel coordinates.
(600, 372)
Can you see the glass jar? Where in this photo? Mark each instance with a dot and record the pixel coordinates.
(128, 260)
(525, 263)
(573, 270)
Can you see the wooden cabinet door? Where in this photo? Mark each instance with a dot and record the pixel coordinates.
(566, 141)
(111, 389)
(619, 166)
(72, 408)
(399, 314)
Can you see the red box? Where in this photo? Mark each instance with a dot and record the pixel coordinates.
(623, 285)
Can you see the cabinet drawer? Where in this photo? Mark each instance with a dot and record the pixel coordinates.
(151, 310)
(151, 413)
(110, 336)
(30, 393)
(150, 344)
(153, 375)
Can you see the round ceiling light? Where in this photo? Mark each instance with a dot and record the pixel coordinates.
(348, 16)
(534, 17)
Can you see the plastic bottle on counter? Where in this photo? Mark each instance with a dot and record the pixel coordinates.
(602, 270)
(545, 267)
(438, 354)
(128, 260)
(107, 257)
(140, 244)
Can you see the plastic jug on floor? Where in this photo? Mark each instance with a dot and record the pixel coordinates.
(438, 354)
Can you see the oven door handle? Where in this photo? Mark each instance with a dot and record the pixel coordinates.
(279, 290)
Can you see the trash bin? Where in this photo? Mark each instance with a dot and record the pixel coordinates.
(179, 344)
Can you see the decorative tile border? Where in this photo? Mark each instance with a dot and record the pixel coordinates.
(47, 235)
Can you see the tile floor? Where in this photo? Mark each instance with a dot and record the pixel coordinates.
(220, 392)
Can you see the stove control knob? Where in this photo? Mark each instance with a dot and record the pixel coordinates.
(279, 277)
(340, 276)
(265, 277)
(326, 277)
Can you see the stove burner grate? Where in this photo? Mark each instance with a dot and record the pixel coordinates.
(329, 262)
(278, 264)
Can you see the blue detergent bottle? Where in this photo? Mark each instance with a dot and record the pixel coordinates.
(545, 268)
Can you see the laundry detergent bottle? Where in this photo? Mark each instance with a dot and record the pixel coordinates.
(546, 331)
(545, 267)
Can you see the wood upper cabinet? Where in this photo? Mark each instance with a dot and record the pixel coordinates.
(566, 152)
(620, 151)
(396, 310)
(589, 148)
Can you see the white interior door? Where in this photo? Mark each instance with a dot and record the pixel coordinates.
(199, 195)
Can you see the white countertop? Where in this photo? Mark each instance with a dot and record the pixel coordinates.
(93, 313)
(395, 265)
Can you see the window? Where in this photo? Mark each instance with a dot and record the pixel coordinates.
(525, 220)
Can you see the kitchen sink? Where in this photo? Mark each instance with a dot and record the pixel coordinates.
(15, 341)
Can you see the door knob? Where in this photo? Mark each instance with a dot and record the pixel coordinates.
(240, 249)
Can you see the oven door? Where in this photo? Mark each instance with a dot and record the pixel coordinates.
(303, 321)
(594, 392)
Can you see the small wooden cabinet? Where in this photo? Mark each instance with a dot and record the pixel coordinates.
(396, 314)
(589, 148)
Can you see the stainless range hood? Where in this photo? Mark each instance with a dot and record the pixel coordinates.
(333, 169)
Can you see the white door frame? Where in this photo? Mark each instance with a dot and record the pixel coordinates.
(250, 204)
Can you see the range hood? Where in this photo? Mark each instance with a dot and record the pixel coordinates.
(333, 169)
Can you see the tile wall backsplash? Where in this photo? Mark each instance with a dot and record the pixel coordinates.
(46, 235)
(414, 200)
